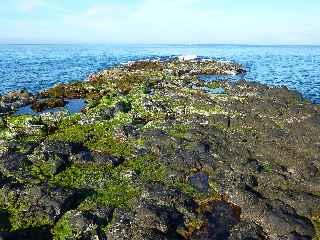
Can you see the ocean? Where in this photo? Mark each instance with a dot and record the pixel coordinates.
(37, 67)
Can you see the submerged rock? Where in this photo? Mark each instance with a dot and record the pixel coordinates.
(41, 105)
(158, 153)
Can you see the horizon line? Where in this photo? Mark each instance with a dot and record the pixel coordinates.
(165, 44)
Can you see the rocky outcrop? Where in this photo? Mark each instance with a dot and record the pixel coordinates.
(158, 153)
(14, 100)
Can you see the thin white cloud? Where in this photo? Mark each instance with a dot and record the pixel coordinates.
(99, 10)
(165, 21)
(30, 5)
(171, 21)
(150, 20)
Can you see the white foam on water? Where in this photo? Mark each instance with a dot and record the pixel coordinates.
(225, 61)
(187, 57)
(231, 72)
(206, 60)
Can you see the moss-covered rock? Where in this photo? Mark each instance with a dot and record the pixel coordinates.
(158, 154)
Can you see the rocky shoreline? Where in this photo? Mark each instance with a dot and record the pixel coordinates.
(158, 153)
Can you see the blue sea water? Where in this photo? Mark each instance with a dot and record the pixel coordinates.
(37, 67)
(72, 106)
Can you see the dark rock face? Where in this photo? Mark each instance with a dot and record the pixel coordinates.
(200, 181)
(222, 217)
(13, 165)
(156, 155)
(41, 233)
(247, 230)
(53, 153)
(148, 222)
(4, 221)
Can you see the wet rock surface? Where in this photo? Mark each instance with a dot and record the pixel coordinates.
(14, 100)
(158, 153)
(41, 105)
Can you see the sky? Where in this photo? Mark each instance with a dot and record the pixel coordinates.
(160, 21)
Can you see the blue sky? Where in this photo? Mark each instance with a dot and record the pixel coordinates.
(160, 21)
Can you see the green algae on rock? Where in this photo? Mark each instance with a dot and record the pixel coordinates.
(155, 155)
